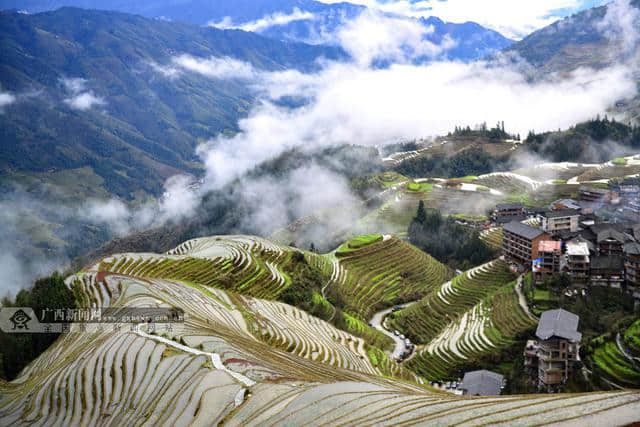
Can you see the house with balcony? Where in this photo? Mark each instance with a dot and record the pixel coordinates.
(520, 242)
(552, 357)
(610, 242)
(561, 220)
(607, 271)
(548, 262)
(578, 262)
(592, 194)
(507, 212)
(632, 267)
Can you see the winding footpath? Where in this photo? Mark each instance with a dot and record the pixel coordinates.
(523, 300)
(215, 358)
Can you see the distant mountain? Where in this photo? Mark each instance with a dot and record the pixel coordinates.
(473, 41)
(586, 39)
(305, 21)
(144, 126)
(575, 41)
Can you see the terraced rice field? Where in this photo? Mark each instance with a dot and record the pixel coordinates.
(608, 171)
(619, 360)
(492, 237)
(384, 273)
(475, 314)
(211, 370)
(243, 264)
(508, 182)
(239, 360)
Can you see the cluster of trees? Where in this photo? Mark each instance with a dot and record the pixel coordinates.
(447, 241)
(590, 141)
(18, 350)
(496, 133)
(399, 147)
(474, 161)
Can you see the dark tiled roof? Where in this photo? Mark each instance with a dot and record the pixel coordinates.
(611, 234)
(561, 213)
(559, 323)
(594, 190)
(482, 383)
(523, 230)
(607, 263)
(505, 219)
(509, 206)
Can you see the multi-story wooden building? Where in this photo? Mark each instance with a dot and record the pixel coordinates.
(552, 357)
(610, 242)
(607, 271)
(520, 242)
(508, 212)
(632, 267)
(561, 220)
(548, 262)
(592, 194)
(578, 261)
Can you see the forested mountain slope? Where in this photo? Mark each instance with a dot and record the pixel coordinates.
(140, 126)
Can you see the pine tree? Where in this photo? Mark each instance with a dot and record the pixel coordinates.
(421, 215)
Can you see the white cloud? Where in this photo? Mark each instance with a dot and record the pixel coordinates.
(621, 25)
(214, 67)
(268, 21)
(168, 71)
(374, 36)
(512, 18)
(74, 85)
(6, 99)
(80, 98)
(85, 101)
(178, 201)
(352, 104)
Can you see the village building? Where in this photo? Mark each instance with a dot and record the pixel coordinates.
(610, 242)
(548, 262)
(552, 357)
(608, 271)
(578, 260)
(632, 267)
(520, 242)
(592, 194)
(505, 213)
(562, 220)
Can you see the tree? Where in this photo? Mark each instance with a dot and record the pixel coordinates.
(421, 215)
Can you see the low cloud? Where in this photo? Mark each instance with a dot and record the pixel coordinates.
(179, 201)
(373, 37)
(6, 99)
(80, 98)
(85, 101)
(514, 19)
(372, 106)
(621, 26)
(268, 21)
(213, 67)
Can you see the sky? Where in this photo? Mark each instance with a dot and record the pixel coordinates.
(513, 18)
